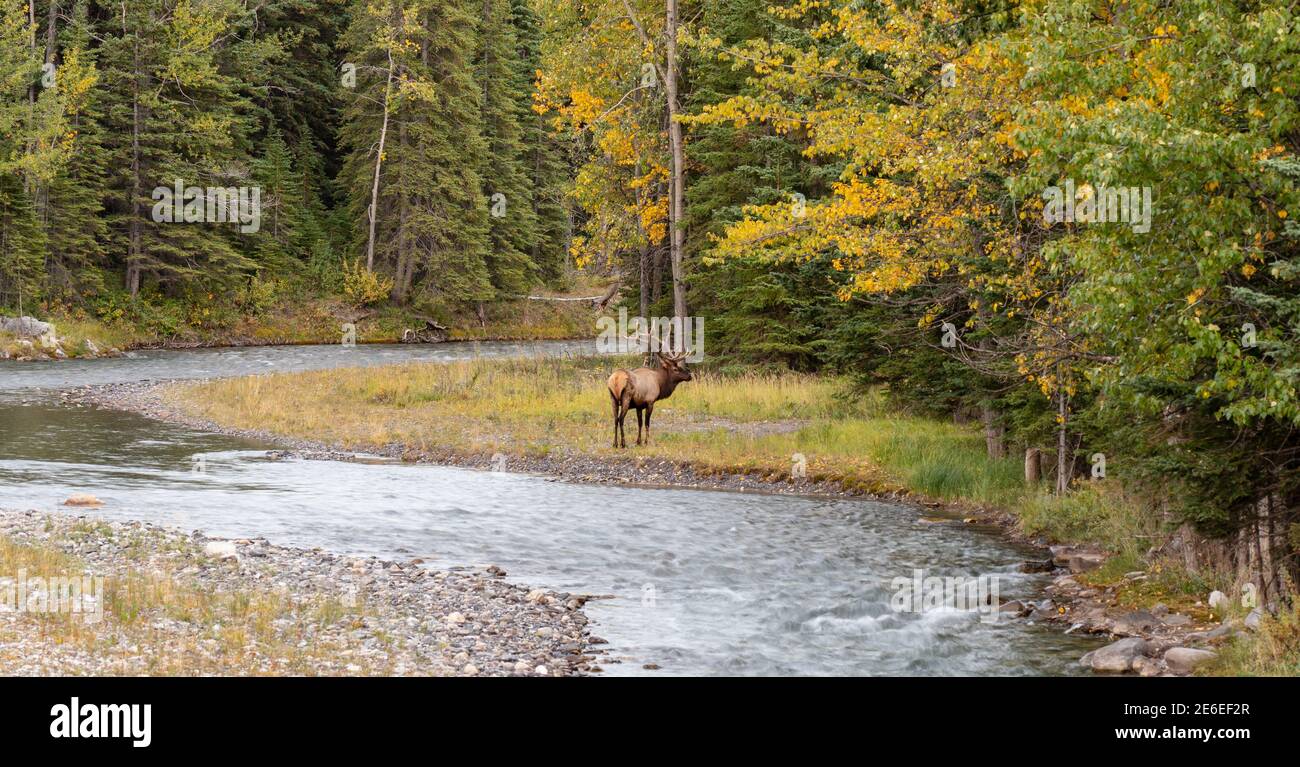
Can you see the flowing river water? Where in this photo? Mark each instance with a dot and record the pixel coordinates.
(703, 582)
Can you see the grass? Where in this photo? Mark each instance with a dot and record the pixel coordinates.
(72, 334)
(751, 423)
(246, 632)
(1273, 650)
(316, 321)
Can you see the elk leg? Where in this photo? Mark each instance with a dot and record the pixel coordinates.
(649, 411)
(638, 425)
(615, 421)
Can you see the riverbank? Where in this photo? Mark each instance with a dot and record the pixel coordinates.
(300, 322)
(165, 602)
(752, 433)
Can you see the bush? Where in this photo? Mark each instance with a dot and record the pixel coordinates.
(362, 286)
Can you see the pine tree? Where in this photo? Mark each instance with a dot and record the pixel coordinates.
(544, 158)
(174, 113)
(74, 212)
(431, 220)
(513, 222)
(283, 210)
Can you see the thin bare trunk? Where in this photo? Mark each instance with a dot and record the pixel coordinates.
(677, 206)
(993, 431)
(1062, 448)
(379, 161)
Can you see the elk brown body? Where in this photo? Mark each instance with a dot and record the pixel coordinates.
(640, 389)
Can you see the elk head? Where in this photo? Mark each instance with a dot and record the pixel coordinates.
(674, 365)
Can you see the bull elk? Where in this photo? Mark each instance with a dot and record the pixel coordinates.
(640, 389)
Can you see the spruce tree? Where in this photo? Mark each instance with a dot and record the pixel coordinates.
(513, 220)
(431, 220)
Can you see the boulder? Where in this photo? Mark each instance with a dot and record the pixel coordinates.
(1252, 620)
(82, 499)
(1184, 660)
(221, 550)
(26, 327)
(1134, 623)
(1085, 561)
(1117, 657)
(1145, 666)
(1218, 600)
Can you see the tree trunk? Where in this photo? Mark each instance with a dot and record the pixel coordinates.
(677, 203)
(993, 431)
(644, 279)
(1062, 448)
(1032, 475)
(379, 161)
(656, 275)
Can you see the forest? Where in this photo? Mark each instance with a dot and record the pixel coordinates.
(1070, 223)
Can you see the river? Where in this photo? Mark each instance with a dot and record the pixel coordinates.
(704, 582)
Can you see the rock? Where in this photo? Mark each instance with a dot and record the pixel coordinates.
(456, 618)
(1252, 620)
(1117, 657)
(82, 499)
(91, 349)
(1085, 561)
(1184, 660)
(497, 571)
(470, 669)
(542, 671)
(1224, 630)
(221, 549)
(521, 667)
(1145, 666)
(1218, 600)
(1038, 566)
(26, 327)
(536, 595)
(1176, 619)
(545, 632)
(1134, 623)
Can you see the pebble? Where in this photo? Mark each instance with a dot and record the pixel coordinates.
(491, 627)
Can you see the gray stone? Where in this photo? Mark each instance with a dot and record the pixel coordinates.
(1134, 623)
(25, 327)
(1184, 659)
(1252, 620)
(1085, 561)
(1117, 657)
(1145, 666)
